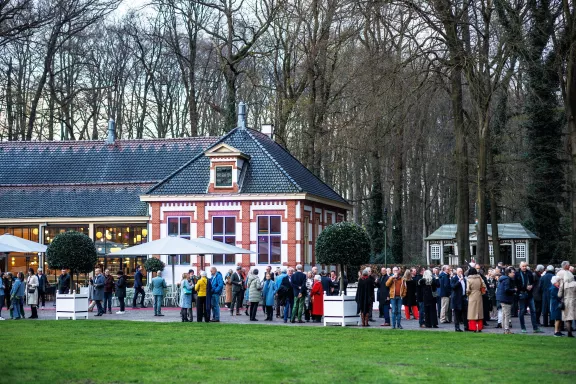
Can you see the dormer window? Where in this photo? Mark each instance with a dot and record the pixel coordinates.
(223, 177)
(227, 165)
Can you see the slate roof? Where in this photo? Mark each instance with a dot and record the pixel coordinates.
(94, 179)
(271, 169)
(109, 200)
(505, 231)
(87, 178)
(94, 162)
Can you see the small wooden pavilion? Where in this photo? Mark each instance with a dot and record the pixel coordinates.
(517, 244)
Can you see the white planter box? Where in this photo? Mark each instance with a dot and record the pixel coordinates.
(351, 291)
(72, 306)
(340, 310)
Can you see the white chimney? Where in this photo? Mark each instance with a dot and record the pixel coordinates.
(111, 132)
(268, 130)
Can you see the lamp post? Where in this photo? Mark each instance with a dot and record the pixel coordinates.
(384, 223)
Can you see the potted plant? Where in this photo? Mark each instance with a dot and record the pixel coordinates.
(153, 264)
(76, 252)
(345, 244)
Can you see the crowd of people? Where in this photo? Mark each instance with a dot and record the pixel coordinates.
(18, 290)
(472, 298)
(294, 295)
(467, 298)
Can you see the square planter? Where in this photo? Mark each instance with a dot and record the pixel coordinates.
(72, 306)
(340, 310)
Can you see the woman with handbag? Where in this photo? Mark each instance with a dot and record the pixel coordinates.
(185, 297)
(474, 290)
(32, 293)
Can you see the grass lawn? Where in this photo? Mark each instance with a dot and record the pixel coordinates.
(140, 352)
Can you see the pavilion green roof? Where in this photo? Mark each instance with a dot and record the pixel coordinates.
(505, 231)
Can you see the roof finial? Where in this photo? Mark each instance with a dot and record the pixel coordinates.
(241, 115)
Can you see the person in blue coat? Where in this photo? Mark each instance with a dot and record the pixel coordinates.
(98, 293)
(555, 311)
(158, 285)
(16, 295)
(269, 291)
(505, 296)
(445, 293)
(217, 285)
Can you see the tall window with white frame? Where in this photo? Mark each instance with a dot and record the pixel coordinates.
(520, 251)
(224, 230)
(269, 239)
(306, 246)
(179, 227)
(435, 252)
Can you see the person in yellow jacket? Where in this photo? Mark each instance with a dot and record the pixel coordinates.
(200, 288)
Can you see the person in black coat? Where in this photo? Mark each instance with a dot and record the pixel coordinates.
(537, 293)
(138, 288)
(121, 291)
(429, 285)
(409, 301)
(420, 296)
(42, 287)
(524, 283)
(237, 291)
(459, 300)
(544, 287)
(384, 297)
(326, 283)
(486, 308)
(64, 283)
(365, 297)
(299, 288)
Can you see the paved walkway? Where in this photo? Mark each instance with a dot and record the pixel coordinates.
(172, 314)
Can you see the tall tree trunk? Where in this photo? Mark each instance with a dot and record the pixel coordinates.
(462, 186)
(47, 68)
(482, 227)
(397, 246)
(9, 102)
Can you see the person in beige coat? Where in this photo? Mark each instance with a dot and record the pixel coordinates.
(567, 292)
(32, 293)
(228, 285)
(475, 288)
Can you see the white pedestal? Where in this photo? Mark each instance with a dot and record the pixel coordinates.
(340, 310)
(72, 306)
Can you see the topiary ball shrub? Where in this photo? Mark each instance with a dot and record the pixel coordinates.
(344, 244)
(72, 250)
(154, 265)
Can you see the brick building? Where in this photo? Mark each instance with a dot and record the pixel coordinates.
(242, 188)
